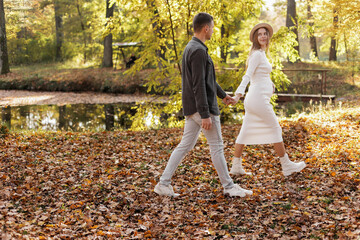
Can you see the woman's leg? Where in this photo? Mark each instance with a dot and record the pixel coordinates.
(279, 149)
(237, 161)
(239, 148)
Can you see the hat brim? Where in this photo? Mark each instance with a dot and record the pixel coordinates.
(261, 25)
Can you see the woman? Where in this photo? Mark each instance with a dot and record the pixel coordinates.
(260, 125)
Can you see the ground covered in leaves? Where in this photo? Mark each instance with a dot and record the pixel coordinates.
(100, 185)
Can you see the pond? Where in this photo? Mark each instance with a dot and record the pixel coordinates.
(81, 117)
(96, 117)
(72, 117)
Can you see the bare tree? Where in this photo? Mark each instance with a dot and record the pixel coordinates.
(4, 58)
(291, 20)
(108, 51)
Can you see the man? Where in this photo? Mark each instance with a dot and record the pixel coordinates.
(201, 111)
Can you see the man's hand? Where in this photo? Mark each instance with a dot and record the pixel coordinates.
(228, 100)
(206, 123)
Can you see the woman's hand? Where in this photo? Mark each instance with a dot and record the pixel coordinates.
(228, 100)
(237, 97)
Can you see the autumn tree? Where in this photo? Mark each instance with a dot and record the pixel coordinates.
(164, 28)
(336, 23)
(4, 60)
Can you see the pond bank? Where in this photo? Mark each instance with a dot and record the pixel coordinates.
(23, 98)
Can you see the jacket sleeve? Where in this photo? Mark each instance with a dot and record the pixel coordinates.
(254, 61)
(198, 61)
(220, 92)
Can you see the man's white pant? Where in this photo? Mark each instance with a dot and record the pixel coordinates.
(191, 133)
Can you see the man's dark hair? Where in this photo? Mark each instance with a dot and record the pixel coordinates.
(200, 20)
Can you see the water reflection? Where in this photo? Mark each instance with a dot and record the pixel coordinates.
(86, 117)
(76, 117)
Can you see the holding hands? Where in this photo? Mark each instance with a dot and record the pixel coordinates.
(231, 100)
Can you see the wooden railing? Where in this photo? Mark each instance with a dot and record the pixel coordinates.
(286, 97)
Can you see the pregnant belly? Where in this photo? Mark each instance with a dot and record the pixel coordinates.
(258, 98)
(264, 88)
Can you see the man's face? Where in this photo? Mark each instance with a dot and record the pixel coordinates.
(209, 30)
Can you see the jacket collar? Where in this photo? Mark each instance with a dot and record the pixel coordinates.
(199, 41)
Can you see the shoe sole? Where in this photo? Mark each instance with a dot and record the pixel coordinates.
(237, 173)
(161, 194)
(228, 195)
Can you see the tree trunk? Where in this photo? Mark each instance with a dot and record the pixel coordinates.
(4, 58)
(188, 31)
(346, 48)
(313, 44)
(83, 30)
(108, 51)
(333, 45)
(158, 30)
(59, 32)
(223, 52)
(291, 20)
(173, 36)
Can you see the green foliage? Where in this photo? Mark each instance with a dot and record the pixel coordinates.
(31, 30)
(282, 47)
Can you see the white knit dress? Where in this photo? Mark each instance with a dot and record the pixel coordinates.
(260, 124)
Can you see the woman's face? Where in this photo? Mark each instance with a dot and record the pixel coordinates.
(263, 37)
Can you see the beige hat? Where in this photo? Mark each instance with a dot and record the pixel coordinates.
(261, 25)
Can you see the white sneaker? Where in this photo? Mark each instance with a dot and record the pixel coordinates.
(163, 190)
(289, 167)
(237, 169)
(237, 191)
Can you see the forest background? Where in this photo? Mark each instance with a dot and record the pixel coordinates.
(81, 34)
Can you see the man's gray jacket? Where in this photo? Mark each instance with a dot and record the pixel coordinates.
(199, 86)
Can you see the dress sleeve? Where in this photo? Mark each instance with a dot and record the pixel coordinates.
(254, 61)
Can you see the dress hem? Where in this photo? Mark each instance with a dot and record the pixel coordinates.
(260, 143)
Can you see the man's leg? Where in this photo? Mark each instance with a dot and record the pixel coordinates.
(188, 141)
(214, 138)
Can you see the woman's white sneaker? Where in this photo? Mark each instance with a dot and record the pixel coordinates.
(237, 191)
(165, 190)
(289, 167)
(236, 168)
